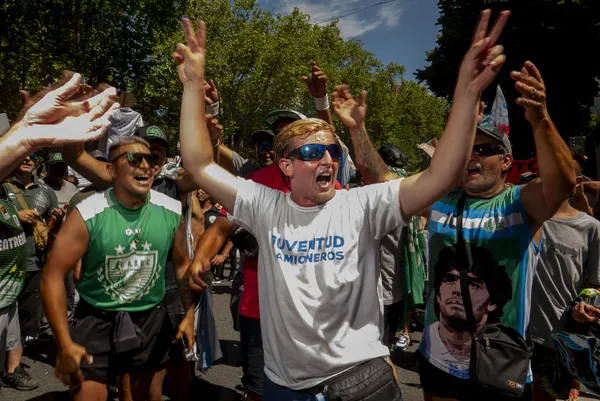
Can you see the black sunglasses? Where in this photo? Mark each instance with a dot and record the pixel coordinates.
(34, 156)
(315, 151)
(135, 159)
(264, 146)
(488, 149)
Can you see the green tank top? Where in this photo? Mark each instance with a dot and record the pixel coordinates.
(123, 268)
(13, 253)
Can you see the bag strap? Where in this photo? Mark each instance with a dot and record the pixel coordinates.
(465, 259)
(18, 195)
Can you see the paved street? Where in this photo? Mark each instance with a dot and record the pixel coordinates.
(220, 383)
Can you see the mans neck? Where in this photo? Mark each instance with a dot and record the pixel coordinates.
(458, 343)
(24, 178)
(128, 199)
(490, 193)
(566, 210)
(300, 201)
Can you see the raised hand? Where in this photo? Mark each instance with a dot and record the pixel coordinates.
(211, 95)
(485, 58)
(351, 114)
(317, 83)
(191, 57)
(56, 121)
(214, 128)
(530, 84)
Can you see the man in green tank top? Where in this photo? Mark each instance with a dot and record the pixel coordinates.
(123, 237)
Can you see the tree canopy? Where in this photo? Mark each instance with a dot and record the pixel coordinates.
(555, 35)
(255, 58)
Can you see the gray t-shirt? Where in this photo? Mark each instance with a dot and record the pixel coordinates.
(64, 193)
(391, 251)
(243, 167)
(570, 257)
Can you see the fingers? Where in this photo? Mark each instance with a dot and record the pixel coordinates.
(478, 49)
(178, 336)
(188, 30)
(213, 87)
(184, 51)
(101, 104)
(481, 26)
(499, 25)
(527, 103)
(531, 92)
(493, 54)
(201, 35)
(196, 283)
(69, 89)
(527, 80)
(177, 57)
(362, 100)
(533, 71)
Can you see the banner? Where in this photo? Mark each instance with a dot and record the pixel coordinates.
(519, 167)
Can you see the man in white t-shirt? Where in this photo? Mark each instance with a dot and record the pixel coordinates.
(320, 290)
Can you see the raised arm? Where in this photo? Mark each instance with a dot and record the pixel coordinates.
(53, 120)
(317, 86)
(196, 146)
(543, 196)
(69, 247)
(352, 114)
(93, 170)
(478, 69)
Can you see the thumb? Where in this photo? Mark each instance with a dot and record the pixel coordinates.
(305, 80)
(88, 359)
(184, 51)
(178, 336)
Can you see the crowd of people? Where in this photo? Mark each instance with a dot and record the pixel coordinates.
(110, 247)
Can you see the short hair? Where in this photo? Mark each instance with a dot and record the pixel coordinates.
(392, 155)
(283, 143)
(486, 268)
(117, 142)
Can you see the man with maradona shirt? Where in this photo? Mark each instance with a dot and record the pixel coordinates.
(320, 318)
(499, 222)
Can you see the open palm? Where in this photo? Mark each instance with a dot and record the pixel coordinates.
(351, 113)
(191, 56)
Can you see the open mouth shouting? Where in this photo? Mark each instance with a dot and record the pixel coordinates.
(325, 180)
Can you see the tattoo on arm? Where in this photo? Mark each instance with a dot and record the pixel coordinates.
(370, 163)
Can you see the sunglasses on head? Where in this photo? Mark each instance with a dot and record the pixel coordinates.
(488, 149)
(135, 159)
(315, 151)
(264, 146)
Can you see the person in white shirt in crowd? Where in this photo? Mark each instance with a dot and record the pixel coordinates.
(319, 286)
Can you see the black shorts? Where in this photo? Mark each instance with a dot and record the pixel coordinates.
(31, 310)
(440, 384)
(392, 316)
(551, 376)
(93, 329)
(253, 357)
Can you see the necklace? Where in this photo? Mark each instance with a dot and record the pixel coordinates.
(135, 231)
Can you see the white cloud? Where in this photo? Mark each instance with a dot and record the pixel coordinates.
(388, 15)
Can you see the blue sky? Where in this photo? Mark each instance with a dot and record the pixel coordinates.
(400, 31)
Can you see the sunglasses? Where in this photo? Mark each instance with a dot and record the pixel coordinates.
(315, 151)
(488, 149)
(264, 146)
(34, 156)
(135, 159)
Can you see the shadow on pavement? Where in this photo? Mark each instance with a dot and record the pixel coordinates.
(405, 360)
(52, 396)
(201, 389)
(221, 289)
(231, 353)
(39, 351)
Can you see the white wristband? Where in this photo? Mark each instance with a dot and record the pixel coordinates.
(322, 103)
(212, 109)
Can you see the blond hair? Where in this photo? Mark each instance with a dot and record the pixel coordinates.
(283, 143)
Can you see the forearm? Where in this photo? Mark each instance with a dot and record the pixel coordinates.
(226, 249)
(93, 170)
(54, 299)
(325, 115)
(13, 149)
(209, 245)
(226, 158)
(554, 163)
(196, 147)
(455, 146)
(367, 159)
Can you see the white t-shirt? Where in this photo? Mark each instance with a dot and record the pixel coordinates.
(319, 279)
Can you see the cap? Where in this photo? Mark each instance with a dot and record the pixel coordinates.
(151, 133)
(261, 133)
(55, 158)
(392, 155)
(99, 155)
(496, 134)
(275, 116)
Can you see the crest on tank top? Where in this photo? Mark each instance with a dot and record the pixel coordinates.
(129, 276)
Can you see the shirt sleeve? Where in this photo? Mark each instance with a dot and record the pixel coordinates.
(593, 260)
(381, 204)
(252, 203)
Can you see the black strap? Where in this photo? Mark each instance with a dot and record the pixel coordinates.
(464, 259)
